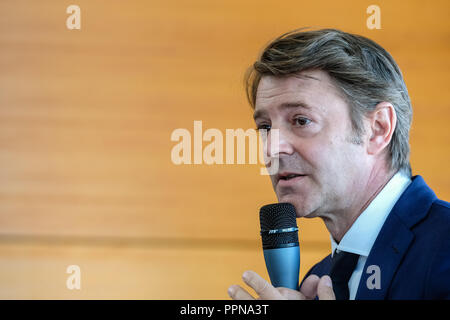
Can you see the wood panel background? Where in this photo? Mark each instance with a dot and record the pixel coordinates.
(86, 117)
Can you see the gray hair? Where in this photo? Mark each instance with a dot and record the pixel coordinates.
(365, 73)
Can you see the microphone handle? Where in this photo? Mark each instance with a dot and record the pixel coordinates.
(283, 266)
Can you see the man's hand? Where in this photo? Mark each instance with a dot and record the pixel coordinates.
(312, 286)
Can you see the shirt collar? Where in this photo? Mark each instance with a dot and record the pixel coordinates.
(362, 234)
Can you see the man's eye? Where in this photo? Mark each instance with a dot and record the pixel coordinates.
(263, 127)
(301, 121)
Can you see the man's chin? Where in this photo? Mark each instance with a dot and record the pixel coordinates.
(300, 205)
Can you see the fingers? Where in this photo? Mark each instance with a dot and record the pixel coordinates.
(291, 294)
(236, 292)
(264, 289)
(312, 286)
(309, 287)
(325, 289)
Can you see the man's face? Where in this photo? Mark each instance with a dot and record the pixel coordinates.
(320, 169)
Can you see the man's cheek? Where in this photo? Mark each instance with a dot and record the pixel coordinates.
(273, 180)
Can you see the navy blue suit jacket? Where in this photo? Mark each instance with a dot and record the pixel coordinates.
(412, 250)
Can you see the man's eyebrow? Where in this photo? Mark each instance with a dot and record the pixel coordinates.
(286, 105)
(258, 114)
(291, 105)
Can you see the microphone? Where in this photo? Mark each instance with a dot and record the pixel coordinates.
(279, 234)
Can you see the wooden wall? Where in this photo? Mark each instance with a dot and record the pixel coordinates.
(86, 116)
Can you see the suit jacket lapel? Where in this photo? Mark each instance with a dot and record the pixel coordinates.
(394, 239)
(383, 260)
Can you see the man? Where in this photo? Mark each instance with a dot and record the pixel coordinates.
(343, 114)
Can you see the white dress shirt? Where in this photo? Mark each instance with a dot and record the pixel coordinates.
(362, 234)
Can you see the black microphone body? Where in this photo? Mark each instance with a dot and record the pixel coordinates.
(279, 234)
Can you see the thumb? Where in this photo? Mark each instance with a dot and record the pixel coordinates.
(325, 289)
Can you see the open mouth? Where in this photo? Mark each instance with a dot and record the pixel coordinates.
(286, 176)
(290, 176)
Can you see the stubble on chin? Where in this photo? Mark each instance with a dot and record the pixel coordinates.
(302, 205)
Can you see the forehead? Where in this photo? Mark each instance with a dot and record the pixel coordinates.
(312, 88)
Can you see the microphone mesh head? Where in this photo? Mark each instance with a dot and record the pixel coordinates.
(274, 217)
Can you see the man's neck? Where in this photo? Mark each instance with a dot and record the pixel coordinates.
(341, 223)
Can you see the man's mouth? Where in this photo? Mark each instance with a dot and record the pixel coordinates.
(290, 176)
(287, 176)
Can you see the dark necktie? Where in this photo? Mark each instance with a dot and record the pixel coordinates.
(342, 266)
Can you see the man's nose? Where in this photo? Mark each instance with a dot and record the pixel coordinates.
(280, 143)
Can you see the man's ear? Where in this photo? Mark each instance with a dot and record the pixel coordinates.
(382, 123)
